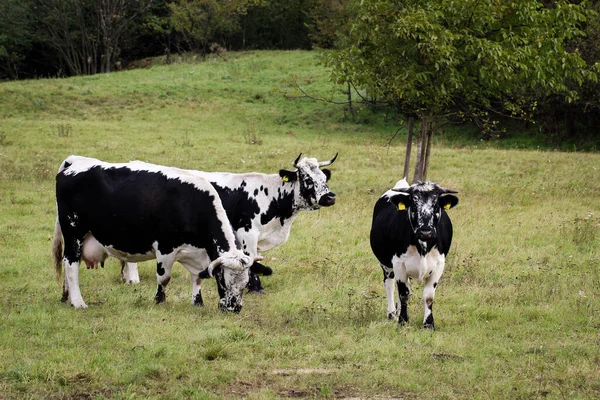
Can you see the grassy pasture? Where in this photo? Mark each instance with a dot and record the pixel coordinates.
(517, 310)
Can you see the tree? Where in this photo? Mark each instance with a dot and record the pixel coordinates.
(202, 20)
(16, 37)
(87, 34)
(472, 57)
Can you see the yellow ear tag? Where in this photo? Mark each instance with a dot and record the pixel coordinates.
(401, 206)
(285, 179)
(447, 206)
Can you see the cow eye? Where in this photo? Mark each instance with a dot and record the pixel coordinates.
(309, 185)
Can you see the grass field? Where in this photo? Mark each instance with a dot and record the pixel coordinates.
(517, 310)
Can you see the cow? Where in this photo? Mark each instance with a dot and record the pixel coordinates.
(138, 211)
(262, 207)
(411, 235)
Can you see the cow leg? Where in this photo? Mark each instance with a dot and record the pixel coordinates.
(196, 290)
(388, 285)
(129, 272)
(72, 280)
(164, 266)
(249, 244)
(404, 295)
(429, 294)
(71, 261)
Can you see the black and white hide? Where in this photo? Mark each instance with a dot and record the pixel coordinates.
(411, 235)
(263, 207)
(139, 211)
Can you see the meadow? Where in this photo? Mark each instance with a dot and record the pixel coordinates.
(517, 310)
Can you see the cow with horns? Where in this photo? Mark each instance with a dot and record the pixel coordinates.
(411, 235)
(262, 207)
(139, 211)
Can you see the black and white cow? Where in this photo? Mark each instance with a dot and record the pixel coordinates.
(262, 207)
(411, 236)
(139, 211)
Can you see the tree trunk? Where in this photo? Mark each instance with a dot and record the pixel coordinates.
(411, 123)
(427, 151)
(421, 150)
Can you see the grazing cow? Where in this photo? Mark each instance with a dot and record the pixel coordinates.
(139, 211)
(411, 236)
(262, 207)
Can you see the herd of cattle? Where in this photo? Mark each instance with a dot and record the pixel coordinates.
(218, 224)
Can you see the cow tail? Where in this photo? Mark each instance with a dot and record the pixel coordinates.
(57, 240)
(57, 250)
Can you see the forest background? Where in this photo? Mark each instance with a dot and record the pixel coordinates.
(58, 38)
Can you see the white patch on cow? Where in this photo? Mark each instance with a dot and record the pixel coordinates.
(73, 219)
(416, 266)
(72, 283)
(129, 273)
(428, 268)
(260, 237)
(389, 286)
(401, 184)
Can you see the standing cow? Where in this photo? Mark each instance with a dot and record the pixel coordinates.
(139, 211)
(411, 236)
(262, 207)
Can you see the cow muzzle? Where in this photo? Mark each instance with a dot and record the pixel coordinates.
(425, 234)
(233, 305)
(327, 199)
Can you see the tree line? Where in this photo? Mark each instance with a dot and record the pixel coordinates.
(487, 62)
(41, 38)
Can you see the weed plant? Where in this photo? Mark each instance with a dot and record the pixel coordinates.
(517, 310)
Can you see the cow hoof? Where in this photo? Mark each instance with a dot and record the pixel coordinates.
(402, 321)
(391, 315)
(429, 326)
(81, 305)
(198, 302)
(160, 298)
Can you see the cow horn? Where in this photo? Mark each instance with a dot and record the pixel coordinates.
(326, 163)
(295, 163)
(448, 191)
(218, 262)
(401, 190)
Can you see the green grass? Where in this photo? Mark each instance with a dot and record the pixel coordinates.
(517, 310)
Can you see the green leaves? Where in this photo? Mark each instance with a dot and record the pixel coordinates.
(427, 54)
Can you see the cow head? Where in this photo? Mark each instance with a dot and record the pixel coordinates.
(424, 202)
(231, 271)
(313, 192)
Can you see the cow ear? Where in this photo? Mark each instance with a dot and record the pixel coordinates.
(447, 201)
(209, 272)
(204, 274)
(259, 269)
(401, 201)
(327, 173)
(288, 176)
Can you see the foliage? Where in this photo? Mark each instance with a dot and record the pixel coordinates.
(427, 56)
(87, 35)
(563, 120)
(16, 36)
(328, 20)
(517, 309)
(434, 58)
(200, 21)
